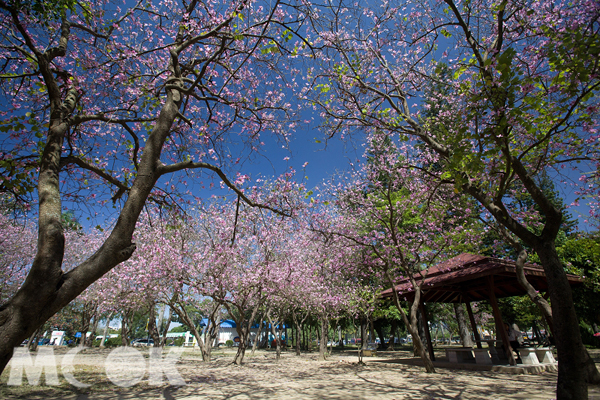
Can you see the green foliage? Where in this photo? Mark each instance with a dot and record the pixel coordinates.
(113, 342)
(70, 221)
(180, 328)
(271, 47)
(44, 11)
(194, 313)
(574, 53)
(519, 310)
(388, 311)
(229, 343)
(581, 256)
(138, 324)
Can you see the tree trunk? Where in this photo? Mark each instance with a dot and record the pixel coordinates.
(47, 289)
(32, 343)
(258, 332)
(243, 333)
(421, 330)
(307, 337)
(363, 334)
(323, 338)
(126, 317)
(533, 294)
(152, 327)
(276, 336)
(185, 317)
(359, 348)
(86, 317)
(165, 330)
(379, 330)
(393, 335)
(297, 330)
(575, 367)
(241, 351)
(411, 325)
(89, 342)
(279, 339)
(593, 376)
(463, 331)
(243, 329)
(212, 331)
(106, 328)
(161, 317)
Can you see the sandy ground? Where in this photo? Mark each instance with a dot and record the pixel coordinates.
(293, 377)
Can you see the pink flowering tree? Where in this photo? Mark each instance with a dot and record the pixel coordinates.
(237, 264)
(519, 99)
(402, 223)
(114, 102)
(316, 277)
(18, 245)
(188, 267)
(230, 253)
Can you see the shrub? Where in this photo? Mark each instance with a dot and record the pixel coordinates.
(113, 342)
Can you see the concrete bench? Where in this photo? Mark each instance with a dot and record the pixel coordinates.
(483, 356)
(528, 356)
(494, 353)
(460, 355)
(544, 355)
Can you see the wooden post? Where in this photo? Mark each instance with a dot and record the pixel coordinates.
(499, 323)
(426, 328)
(473, 324)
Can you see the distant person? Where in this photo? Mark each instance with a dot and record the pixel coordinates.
(514, 335)
(514, 338)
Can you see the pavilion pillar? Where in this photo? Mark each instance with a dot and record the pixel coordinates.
(473, 324)
(499, 323)
(426, 329)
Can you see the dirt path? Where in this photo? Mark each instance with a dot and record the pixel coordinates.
(261, 377)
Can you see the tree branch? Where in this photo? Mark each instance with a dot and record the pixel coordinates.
(165, 169)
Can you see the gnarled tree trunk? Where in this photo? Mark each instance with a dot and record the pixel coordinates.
(463, 330)
(591, 372)
(89, 341)
(412, 324)
(243, 330)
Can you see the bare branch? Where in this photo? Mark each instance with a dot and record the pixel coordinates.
(165, 169)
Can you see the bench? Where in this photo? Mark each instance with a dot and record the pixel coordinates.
(544, 355)
(483, 356)
(528, 355)
(492, 352)
(460, 355)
